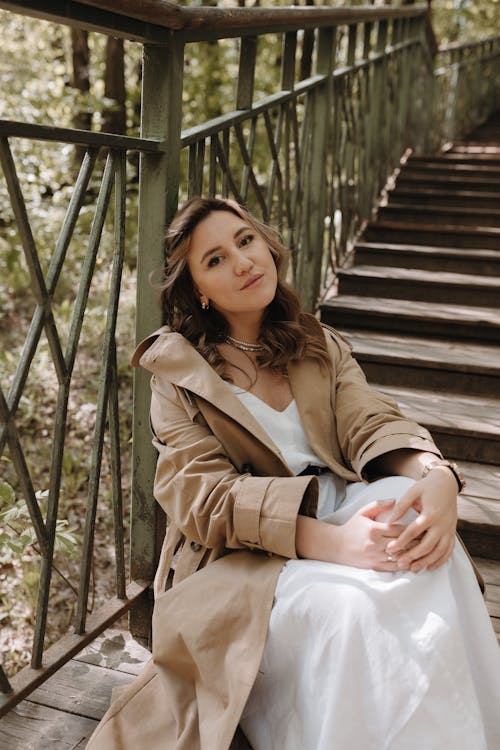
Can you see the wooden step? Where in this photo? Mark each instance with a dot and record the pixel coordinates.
(454, 157)
(463, 216)
(480, 324)
(490, 570)
(433, 197)
(468, 149)
(455, 260)
(479, 510)
(451, 169)
(465, 427)
(431, 234)
(416, 284)
(426, 363)
(423, 179)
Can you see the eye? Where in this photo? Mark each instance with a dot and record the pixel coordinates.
(246, 239)
(214, 261)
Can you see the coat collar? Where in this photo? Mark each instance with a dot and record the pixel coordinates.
(170, 354)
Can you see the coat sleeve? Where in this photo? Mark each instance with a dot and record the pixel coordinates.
(207, 498)
(369, 423)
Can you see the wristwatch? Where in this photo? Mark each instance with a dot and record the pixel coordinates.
(448, 465)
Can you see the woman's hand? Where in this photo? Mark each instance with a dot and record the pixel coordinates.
(360, 542)
(428, 541)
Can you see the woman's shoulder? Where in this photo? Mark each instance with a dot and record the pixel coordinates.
(153, 344)
(319, 329)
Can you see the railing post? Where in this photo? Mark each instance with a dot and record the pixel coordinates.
(379, 98)
(312, 232)
(158, 196)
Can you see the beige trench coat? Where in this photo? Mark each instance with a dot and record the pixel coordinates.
(232, 502)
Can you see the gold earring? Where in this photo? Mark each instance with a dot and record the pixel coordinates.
(205, 304)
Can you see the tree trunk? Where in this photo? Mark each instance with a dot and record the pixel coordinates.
(114, 116)
(82, 117)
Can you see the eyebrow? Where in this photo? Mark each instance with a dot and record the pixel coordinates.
(205, 255)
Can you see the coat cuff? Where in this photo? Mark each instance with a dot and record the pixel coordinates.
(391, 437)
(266, 509)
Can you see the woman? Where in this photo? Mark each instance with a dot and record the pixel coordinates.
(308, 609)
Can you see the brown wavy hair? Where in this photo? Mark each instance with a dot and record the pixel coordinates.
(286, 331)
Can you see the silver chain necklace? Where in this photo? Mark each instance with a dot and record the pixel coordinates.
(243, 345)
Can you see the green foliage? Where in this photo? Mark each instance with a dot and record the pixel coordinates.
(17, 533)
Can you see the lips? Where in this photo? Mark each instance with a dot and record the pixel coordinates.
(251, 280)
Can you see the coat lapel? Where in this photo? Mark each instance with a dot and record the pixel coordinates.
(174, 356)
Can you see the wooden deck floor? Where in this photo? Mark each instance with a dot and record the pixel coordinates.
(62, 713)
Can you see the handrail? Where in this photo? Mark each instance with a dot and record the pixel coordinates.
(150, 21)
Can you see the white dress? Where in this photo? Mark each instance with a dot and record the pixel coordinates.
(361, 660)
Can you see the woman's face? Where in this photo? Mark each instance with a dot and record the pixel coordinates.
(231, 266)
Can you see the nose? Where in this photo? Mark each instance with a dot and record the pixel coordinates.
(243, 264)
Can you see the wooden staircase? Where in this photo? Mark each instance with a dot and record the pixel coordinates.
(420, 302)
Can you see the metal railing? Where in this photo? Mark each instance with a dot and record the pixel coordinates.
(311, 156)
(466, 88)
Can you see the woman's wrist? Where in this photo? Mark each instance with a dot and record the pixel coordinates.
(314, 539)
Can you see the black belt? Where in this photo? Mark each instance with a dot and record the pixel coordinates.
(313, 470)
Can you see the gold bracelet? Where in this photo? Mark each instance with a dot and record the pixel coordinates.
(459, 477)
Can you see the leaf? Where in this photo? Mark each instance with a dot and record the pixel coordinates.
(7, 494)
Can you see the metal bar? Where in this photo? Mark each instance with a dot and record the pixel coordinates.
(89, 261)
(212, 176)
(25, 681)
(50, 522)
(5, 686)
(31, 255)
(288, 63)
(116, 475)
(246, 72)
(103, 393)
(11, 128)
(227, 178)
(311, 257)
(53, 273)
(19, 462)
(246, 168)
(247, 160)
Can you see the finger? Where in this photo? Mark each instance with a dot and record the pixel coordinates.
(375, 508)
(392, 531)
(427, 560)
(413, 531)
(429, 542)
(403, 505)
(443, 558)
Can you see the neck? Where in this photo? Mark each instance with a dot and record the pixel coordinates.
(246, 330)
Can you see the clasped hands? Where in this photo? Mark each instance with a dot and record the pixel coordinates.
(366, 541)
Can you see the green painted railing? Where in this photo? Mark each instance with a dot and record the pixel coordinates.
(356, 88)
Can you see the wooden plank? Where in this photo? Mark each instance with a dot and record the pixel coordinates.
(489, 569)
(493, 600)
(33, 727)
(429, 313)
(435, 353)
(474, 415)
(81, 689)
(118, 650)
(483, 513)
(70, 644)
(483, 481)
(382, 284)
